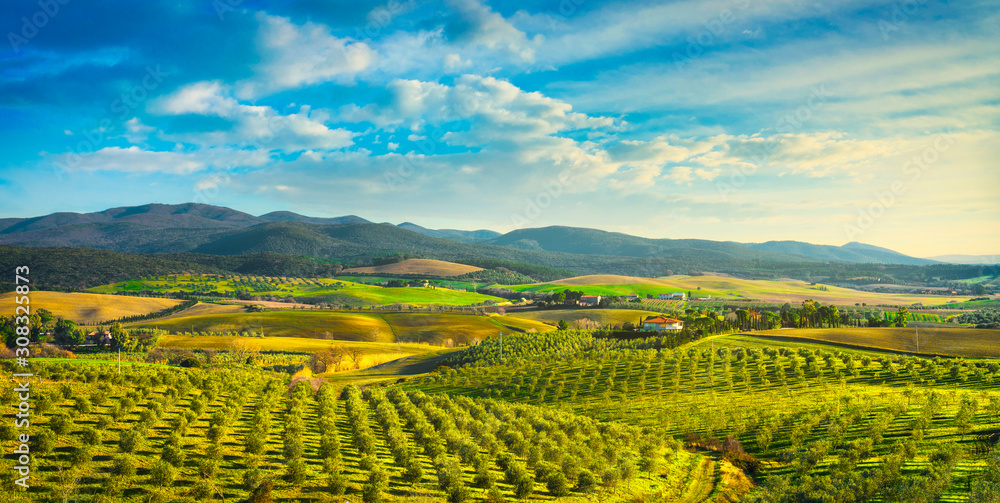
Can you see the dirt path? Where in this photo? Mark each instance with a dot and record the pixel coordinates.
(702, 481)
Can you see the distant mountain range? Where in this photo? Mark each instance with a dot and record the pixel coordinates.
(968, 259)
(205, 229)
(852, 252)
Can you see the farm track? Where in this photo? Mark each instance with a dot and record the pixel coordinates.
(702, 481)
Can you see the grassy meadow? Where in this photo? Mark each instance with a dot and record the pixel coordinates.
(336, 290)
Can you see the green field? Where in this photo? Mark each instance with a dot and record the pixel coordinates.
(432, 328)
(975, 304)
(336, 290)
(776, 292)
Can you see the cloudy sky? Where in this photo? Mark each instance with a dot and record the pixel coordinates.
(747, 120)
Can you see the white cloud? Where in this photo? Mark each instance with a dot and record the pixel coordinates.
(255, 126)
(482, 26)
(497, 109)
(454, 63)
(135, 160)
(136, 131)
(294, 56)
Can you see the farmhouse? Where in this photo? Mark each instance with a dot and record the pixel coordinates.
(662, 323)
(632, 296)
(590, 300)
(672, 296)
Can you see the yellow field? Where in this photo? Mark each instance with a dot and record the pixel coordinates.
(947, 341)
(432, 328)
(372, 353)
(86, 308)
(418, 266)
(719, 287)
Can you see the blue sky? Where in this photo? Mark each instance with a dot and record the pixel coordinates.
(744, 120)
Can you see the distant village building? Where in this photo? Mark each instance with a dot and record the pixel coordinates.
(590, 300)
(632, 296)
(672, 296)
(662, 323)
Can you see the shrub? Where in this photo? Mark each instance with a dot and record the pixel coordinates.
(458, 493)
(208, 467)
(413, 472)
(494, 496)
(253, 479)
(524, 486)
(162, 473)
(203, 490)
(82, 455)
(131, 441)
(60, 424)
(262, 493)
(124, 465)
(296, 471)
(99, 398)
(44, 441)
(103, 422)
(586, 482)
(174, 454)
(91, 435)
(378, 481)
(557, 484)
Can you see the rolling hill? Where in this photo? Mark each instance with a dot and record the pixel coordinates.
(418, 266)
(850, 252)
(194, 233)
(452, 234)
(90, 308)
(967, 259)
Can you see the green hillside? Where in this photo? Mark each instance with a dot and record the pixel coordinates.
(899, 428)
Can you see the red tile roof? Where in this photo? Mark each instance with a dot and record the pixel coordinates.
(661, 319)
